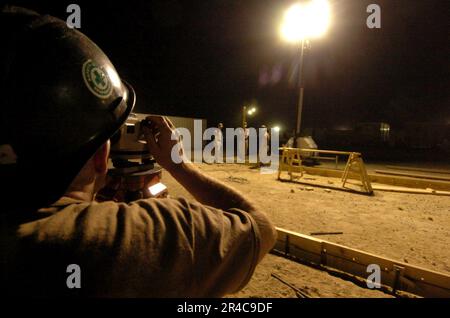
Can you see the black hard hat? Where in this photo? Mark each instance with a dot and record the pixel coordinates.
(61, 100)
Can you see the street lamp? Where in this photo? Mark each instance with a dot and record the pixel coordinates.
(247, 110)
(304, 21)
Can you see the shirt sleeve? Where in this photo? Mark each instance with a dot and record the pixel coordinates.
(202, 251)
(152, 248)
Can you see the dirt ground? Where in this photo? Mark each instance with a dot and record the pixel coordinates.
(406, 227)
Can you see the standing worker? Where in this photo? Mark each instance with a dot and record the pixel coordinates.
(263, 143)
(246, 139)
(62, 100)
(218, 144)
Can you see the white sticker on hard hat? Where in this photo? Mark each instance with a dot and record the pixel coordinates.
(97, 79)
(7, 155)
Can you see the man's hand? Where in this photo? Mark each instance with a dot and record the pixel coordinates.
(205, 189)
(163, 142)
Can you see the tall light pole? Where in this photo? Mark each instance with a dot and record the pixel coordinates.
(303, 21)
(302, 88)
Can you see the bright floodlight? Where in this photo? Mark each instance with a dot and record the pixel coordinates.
(277, 128)
(306, 20)
(251, 111)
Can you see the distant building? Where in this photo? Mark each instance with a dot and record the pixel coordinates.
(184, 122)
(372, 133)
(423, 135)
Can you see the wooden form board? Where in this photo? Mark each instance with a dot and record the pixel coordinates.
(332, 152)
(396, 275)
(377, 178)
(412, 175)
(439, 171)
(410, 182)
(409, 190)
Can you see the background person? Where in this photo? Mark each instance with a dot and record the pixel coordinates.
(218, 144)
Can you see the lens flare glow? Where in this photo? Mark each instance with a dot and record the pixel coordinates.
(306, 20)
(251, 111)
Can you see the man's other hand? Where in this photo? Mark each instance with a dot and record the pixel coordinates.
(163, 141)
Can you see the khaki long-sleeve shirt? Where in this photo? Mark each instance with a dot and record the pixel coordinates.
(149, 248)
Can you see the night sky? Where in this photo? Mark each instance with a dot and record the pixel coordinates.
(209, 58)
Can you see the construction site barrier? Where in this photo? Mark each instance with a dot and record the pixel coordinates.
(291, 161)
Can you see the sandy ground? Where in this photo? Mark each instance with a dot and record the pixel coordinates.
(405, 227)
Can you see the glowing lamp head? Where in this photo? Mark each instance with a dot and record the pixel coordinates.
(306, 20)
(251, 111)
